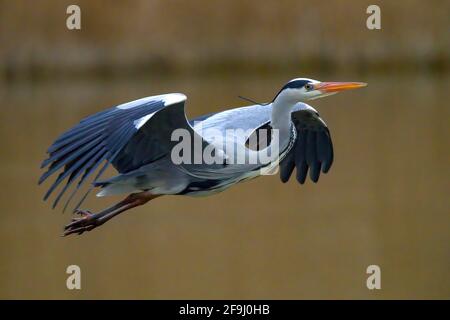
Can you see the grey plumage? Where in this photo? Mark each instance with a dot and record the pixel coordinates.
(136, 139)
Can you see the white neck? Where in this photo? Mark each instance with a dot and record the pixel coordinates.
(281, 115)
(281, 121)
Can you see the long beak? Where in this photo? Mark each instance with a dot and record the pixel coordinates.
(329, 87)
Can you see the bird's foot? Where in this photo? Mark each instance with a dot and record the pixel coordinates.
(86, 222)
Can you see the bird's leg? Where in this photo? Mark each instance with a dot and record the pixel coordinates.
(89, 221)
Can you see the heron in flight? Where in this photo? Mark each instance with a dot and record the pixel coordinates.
(137, 138)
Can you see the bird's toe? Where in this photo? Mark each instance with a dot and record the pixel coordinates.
(86, 222)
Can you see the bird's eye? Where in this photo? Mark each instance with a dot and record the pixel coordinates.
(309, 86)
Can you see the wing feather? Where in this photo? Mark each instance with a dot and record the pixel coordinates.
(313, 148)
(99, 138)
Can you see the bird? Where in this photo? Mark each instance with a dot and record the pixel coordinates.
(139, 139)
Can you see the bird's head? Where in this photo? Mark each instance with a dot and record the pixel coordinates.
(303, 89)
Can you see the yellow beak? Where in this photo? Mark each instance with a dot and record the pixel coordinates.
(327, 87)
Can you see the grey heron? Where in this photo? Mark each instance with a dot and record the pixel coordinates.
(137, 139)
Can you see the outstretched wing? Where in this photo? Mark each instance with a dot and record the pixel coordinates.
(313, 148)
(118, 136)
(239, 122)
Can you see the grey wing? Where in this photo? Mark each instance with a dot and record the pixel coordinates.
(128, 136)
(236, 124)
(239, 121)
(313, 148)
(154, 139)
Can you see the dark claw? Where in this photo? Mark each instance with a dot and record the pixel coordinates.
(86, 222)
(79, 230)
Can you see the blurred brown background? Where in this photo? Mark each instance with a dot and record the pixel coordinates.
(384, 202)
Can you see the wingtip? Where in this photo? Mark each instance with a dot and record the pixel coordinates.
(42, 179)
(301, 180)
(47, 194)
(285, 179)
(326, 166)
(302, 173)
